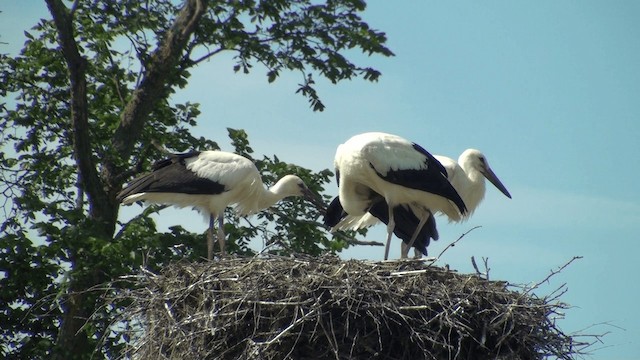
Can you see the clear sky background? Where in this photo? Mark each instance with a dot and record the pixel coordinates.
(548, 90)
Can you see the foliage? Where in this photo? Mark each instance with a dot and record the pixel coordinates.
(87, 105)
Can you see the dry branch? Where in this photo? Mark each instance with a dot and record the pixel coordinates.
(272, 307)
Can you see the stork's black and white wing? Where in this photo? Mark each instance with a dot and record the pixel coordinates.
(171, 175)
(407, 164)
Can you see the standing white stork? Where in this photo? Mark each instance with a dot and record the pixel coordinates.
(468, 178)
(210, 181)
(383, 173)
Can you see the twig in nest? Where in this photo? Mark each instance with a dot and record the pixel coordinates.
(475, 266)
(291, 326)
(454, 243)
(485, 260)
(552, 273)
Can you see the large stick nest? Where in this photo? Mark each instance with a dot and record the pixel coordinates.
(325, 308)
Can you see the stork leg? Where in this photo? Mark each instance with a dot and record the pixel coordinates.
(405, 249)
(390, 226)
(221, 236)
(210, 238)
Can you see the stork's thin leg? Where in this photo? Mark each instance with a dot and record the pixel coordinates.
(405, 250)
(221, 236)
(210, 238)
(390, 226)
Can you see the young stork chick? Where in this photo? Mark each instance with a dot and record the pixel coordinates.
(210, 181)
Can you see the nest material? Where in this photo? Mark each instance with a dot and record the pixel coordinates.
(326, 308)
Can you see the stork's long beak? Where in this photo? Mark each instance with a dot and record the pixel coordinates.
(491, 176)
(313, 198)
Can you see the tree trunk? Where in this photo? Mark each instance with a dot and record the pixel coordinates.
(100, 188)
(72, 343)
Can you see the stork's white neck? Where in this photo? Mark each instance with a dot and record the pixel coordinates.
(280, 190)
(472, 188)
(270, 197)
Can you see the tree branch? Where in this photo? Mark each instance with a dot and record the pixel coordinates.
(353, 241)
(154, 85)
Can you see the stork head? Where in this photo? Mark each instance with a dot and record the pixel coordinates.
(474, 159)
(292, 185)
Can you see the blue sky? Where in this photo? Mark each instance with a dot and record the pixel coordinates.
(548, 90)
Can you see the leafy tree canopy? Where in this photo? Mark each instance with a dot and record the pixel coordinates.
(87, 105)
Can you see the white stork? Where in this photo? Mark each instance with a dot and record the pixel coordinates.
(210, 181)
(468, 178)
(396, 180)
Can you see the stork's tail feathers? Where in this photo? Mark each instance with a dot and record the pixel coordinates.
(136, 186)
(334, 213)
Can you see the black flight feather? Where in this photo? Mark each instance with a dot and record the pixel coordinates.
(170, 175)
